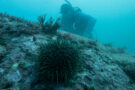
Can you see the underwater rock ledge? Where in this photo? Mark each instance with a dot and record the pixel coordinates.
(104, 67)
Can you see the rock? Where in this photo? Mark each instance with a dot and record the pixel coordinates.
(88, 52)
(2, 50)
(100, 69)
(14, 76)
(1, 71)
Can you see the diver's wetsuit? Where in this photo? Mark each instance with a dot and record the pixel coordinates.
(76, 22)
(84, 24)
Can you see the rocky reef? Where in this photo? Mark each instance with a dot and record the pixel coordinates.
(104, 67)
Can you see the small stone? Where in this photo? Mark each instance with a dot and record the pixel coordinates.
(15, 65)
(54, 38)
(14, 76)
(88, 52)
(1, 70)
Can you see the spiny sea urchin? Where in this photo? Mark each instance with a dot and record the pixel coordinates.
(59, 61)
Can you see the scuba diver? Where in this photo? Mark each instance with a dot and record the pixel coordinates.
(75, 21)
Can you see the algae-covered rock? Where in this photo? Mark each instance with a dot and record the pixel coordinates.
(104, 67)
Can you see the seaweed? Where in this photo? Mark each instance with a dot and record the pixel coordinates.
(50, 26)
